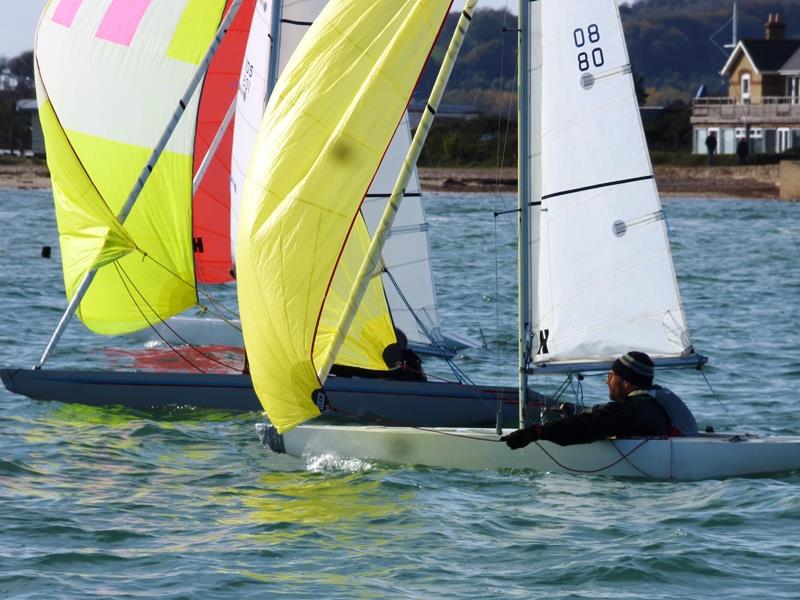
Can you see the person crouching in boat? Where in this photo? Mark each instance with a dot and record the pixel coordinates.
(638, 408)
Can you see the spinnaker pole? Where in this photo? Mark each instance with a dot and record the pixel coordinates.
(212, 149)
(145, 174)
(370, 266)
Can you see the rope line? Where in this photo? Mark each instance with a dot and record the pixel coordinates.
(588, 471)
(623, 457)
(123, 275)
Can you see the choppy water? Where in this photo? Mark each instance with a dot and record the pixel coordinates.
(102, 503)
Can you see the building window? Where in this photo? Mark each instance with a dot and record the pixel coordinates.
(726, 141)
(699, 140)
(783, 140)
(746, 87)
(793, 89)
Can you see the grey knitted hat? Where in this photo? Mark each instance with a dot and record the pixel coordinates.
(636, 368)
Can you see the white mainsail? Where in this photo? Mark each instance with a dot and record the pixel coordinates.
(250, 104)
(406, 255)
(604, 278)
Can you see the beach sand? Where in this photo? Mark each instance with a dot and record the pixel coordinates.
(24, 175)
(757, 181)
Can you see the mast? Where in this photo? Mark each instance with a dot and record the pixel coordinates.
(145, 174)
(523, 204)
(274, 56)
(369, 266)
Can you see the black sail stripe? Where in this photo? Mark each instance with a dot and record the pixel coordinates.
(293, 22)
(598, 185)
(405, 195)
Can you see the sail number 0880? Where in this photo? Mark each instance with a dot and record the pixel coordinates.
(592, 36)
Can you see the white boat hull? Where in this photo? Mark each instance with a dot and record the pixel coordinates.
(210, 331)
(706, 457)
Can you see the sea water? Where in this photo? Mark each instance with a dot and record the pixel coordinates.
(110, 503)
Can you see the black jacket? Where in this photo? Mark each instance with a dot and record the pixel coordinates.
(636, 416)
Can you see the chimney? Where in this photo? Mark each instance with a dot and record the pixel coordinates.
(774, 27)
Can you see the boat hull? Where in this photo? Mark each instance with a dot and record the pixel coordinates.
(208, 331)
(705, 457)
(386, 402)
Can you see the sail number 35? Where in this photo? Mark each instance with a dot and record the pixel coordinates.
(589, 56)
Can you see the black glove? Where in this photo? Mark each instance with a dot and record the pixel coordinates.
(567, 409)
(522, 437)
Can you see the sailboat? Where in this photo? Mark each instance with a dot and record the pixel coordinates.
(137, 238)
(408, 280)
(595, 271)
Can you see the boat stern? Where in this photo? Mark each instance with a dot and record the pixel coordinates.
(7, 377)
(270, 438)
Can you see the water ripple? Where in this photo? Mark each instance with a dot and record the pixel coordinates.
(181, 503)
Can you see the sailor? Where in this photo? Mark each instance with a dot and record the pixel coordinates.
(637, 408)
(403, 364)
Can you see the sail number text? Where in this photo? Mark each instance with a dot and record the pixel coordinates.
(589, 56)
(247, 79)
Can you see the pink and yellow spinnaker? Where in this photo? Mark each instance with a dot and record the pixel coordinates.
(301, 239)
(109, 75)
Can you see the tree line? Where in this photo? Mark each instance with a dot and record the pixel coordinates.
(15, 127)
(674, 47)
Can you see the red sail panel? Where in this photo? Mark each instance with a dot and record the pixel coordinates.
(211, 203)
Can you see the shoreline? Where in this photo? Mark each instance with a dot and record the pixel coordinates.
(748, 181)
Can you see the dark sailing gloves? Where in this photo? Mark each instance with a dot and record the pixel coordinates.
(522, 437)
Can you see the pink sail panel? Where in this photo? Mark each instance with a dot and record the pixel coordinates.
(65, 12)
(211, 203)
(122, 20)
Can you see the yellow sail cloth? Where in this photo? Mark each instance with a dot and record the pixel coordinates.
(90, 233)
(109, 77)
(325, 130)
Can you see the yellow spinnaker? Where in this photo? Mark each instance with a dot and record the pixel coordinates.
(109, 77)
(325, 130)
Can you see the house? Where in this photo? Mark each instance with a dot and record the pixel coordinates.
(763, 101)
(37, 138)
(8, 81)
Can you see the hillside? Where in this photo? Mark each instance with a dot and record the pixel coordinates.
(669, 43)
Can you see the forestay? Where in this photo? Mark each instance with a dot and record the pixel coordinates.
(328, 123)
(109, 76)
(604, 273)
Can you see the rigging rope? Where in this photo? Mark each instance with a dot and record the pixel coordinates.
(125, 279)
